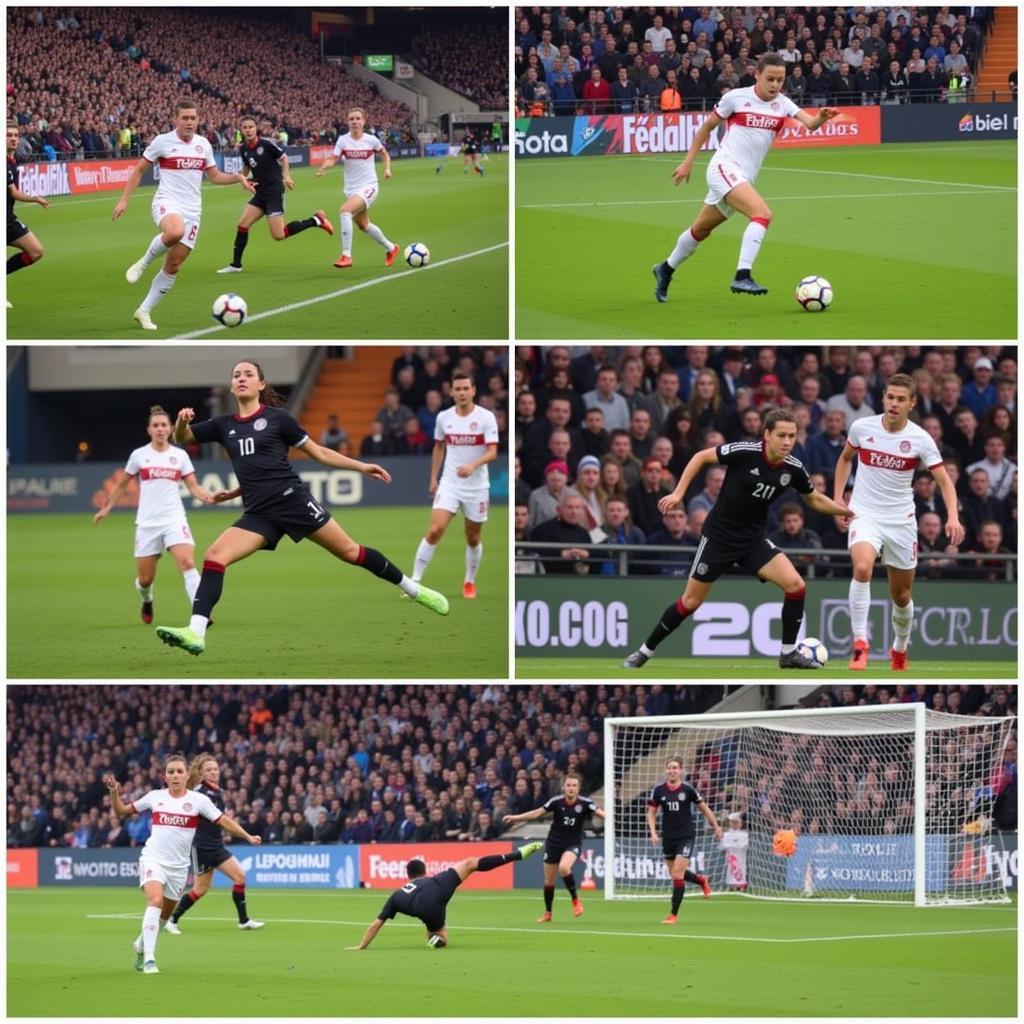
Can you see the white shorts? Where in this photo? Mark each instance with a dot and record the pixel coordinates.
(162, 208)
(368, 194)
(722, 177)
(474, 503)
(895, 542)
(172, 879)
(155, 540)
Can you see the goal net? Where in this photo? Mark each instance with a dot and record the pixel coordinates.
(888, 803)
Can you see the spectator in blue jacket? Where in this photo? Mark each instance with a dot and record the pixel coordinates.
(824, 449)
(979, 395)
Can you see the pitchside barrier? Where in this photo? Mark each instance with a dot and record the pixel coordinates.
(642, 134)
(608, 616)
(84, 488)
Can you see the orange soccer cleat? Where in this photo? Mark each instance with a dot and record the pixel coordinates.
(859, 658)
(343, 261)
(469, 590)
(898, 661)
(704, 886)
(391, 256)
(577, 908)
(544, 918)
(323, 222)
(671, 919)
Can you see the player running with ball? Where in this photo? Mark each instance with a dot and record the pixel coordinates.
(888, 449)
(754, 116)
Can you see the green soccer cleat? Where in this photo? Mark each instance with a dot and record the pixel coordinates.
(530, 849)
(191, 642)
(138, 957)
(433, 600)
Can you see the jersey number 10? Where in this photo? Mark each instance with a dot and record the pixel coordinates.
(247, 446)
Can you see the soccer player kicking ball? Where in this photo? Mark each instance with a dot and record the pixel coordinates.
(754, 117)
(757, 473)
(888, 449)
(426, 898)
(184, 157)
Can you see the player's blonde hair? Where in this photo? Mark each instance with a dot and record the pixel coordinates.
(195, 768)
(171, 758)
(903, 380)
(355, 110)
(157, 410)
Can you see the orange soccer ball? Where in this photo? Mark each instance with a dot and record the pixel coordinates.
(784, 842)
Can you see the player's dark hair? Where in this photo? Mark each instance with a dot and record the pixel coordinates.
(770, 60)
(791, 508)
(462, 375)
(195, 768)
(171, 758)
(675, 757)
(184, 105)
(783, 415)
(248, 117)
(157, 410)
(903, 380)
(415, 868)
(268, 396)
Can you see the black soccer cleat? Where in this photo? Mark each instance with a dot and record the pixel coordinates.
(663, 275)
(797, 659)
(147, 612)
(748, 286)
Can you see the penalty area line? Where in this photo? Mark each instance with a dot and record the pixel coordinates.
(345, 291)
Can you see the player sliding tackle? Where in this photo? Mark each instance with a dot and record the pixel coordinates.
(757, 473)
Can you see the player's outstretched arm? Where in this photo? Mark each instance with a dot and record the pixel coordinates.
(182, 431)
(113, 497)
(119, 807)
(843, 469)
(328, 163)
(129, 187)
(813, 123)
(370, 934)
(824, 504)
(222, 496)
(232, 826)
(954, 528)
(197, 491)
(335, 459)
(707, 457)
(23, 197)
(700, 136)
(512, 819)
(219, 177)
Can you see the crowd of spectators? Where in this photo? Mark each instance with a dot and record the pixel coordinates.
(470, 60)
(627, 59)
(324, 764)
(102, 81)
(602, 433)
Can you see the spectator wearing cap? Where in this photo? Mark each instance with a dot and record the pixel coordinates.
(853, 402)
(565, 528)
(606, 398)
(545, 499)
(644, 495)
(588, 480)
(999, 468)
(979, 394)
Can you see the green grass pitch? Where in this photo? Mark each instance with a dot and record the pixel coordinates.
(79, 291)
(296, 612)
(69, 954)
(874, 220)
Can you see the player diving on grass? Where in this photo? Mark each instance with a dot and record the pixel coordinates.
(183, 156)
(356, 151)
(426, 897)
(276, 503)
(757, 472)
(753, 116)
(267, 164)
(18, 235)
(888, 449)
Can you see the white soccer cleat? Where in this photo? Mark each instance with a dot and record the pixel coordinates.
(134, 273)
(10, 305)
(229, 269)
(143, 319)
(150, 967)
(252, 925)
(171, 927)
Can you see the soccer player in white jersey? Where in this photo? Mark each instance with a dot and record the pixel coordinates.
(753, 116)
(165, 859)
(160, 523)
(888, 449)
(356, 150)
(466, 438)
(184, 157)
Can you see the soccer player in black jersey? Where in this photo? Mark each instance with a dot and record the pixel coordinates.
(733, 534)
(267, 164)
(471, 153)
(209, 852)
(18, 235)
(426, 898)
(276, 502)
(570, 811)
(676, 800)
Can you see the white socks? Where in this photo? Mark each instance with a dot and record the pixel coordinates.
(198, 624)
(860, 601)
(751, 244)
(162, 284)
(473, 556)
(346, 234)
(191, 578)
(686, 246)
(424, 553)
(378, 236)
(408, 586)
(902, 620)
(146, 593)
(150, 930)
(155, 251)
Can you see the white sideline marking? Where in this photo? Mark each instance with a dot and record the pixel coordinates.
(345, 291)
(612, 934)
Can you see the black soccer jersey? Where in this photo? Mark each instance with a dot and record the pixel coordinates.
(752, 483)
(12, 179)
(261, 157)
(210, 836)
(258, 448)
(677, 807)
(569, 819)
(403, 901)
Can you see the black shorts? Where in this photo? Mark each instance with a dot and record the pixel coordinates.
(715, 556)
(15, 230)
(296, 515)
(432, 900)
(553, 851)
(673, 848)
(271, 202)
(206, 860)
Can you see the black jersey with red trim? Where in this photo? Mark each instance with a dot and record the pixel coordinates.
(258, 448)
(12, 181)
(209, 836)
(752, 483)
(677, 806)
(569, 819)
(261, 157)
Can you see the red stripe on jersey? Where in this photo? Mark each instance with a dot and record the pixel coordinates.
(749, 119)
(175, 820)
(464, 439)
(159, 473)
(183, 163)
(357, 154)
(885, 460)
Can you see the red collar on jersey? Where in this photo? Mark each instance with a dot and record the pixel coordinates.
(764, 455)
(244, 419)
(252, 145)
(671, 788)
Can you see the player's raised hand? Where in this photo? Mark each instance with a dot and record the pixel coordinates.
(186, 415)
(371, 469)
(954, 530)
(682, 173)
(109, 781)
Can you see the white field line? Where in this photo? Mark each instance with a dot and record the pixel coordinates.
(345, 291)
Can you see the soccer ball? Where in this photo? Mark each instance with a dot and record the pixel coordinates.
(814, 649)
(229, 309)
(814, 294)
(417, 255)
(784, 842)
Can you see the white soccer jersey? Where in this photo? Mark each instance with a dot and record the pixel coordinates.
(160, 474)
(175, 820)
(466, 438)
(182, 166)
(357, 157)
(751, 126)
(882, 489)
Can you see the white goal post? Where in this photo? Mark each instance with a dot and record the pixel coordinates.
(889, 803)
